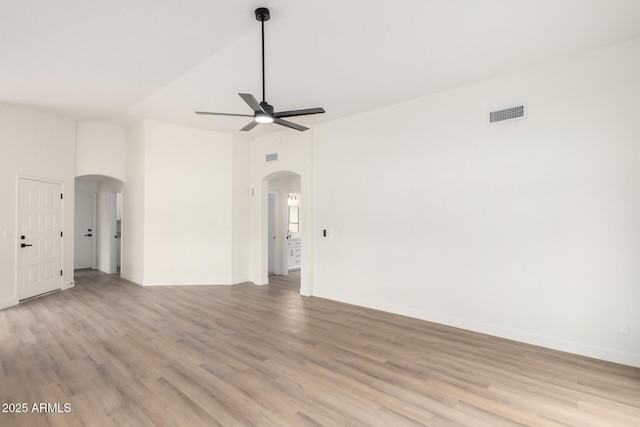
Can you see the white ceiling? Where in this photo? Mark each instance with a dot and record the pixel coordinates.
(123, 60)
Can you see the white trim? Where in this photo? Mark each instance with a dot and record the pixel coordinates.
(178, 282)
(134, 279)
(8, 303)
(70, 285)
(40, 179)
(573, 347)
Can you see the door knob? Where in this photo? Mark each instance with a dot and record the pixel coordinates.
(87, 235)
(24, 245)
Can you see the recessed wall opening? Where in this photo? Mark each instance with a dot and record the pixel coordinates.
(285, 203)
(98, 223)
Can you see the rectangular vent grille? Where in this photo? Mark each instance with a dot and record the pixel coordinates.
(272, 157)
(510, 113)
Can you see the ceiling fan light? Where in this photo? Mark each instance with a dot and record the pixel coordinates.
(263, 118)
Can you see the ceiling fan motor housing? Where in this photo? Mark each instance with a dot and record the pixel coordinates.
(267, 108)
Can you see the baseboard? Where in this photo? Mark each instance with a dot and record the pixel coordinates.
(305, 292)
(609, 355)
(68, 285)
(8, 303)
(180, 282)
(134, 279)
(176, 282)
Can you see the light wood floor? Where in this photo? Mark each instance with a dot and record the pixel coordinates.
(121, 354)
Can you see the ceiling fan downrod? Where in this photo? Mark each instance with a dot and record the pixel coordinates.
(262, 15)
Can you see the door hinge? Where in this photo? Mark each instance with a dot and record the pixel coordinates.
(61, 197)
(61, 272)
(61, 234)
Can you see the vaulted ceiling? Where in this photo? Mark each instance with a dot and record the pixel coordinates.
(120, 61)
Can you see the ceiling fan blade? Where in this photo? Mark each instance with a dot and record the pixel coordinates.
(223, 114)
(252, 101)
(289, 124)
(303, 112)
(250, 126)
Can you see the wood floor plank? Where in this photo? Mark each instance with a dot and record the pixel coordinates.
(243, 355)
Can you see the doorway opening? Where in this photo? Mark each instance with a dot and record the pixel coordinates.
(284, 227)
(100, 225)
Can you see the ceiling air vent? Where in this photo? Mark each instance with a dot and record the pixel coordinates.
(272, 157)
(509, 113)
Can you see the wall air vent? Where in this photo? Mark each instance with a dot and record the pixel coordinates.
(272, 157)
(509, 113)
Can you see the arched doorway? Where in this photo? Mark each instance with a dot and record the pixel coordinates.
(284, 227)
(98, 219)
(285, 208)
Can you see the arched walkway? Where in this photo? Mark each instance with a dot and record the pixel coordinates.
(98, 219)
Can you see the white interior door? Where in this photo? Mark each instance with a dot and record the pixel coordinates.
(40, 238)
(85, 215)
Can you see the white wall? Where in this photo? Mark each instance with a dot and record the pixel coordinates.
(294, 155)
(285, 184)
(188, 205)
(36, 145)
(86, 186)
(100, 150)
(178, 202)
(133, 206)
(106, 209)
(240, 210)
(527, 229)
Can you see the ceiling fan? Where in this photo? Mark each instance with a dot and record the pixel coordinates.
(263, 112)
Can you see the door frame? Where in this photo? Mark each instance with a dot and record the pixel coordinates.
(18, 224)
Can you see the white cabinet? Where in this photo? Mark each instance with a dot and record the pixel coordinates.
(294, 254)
